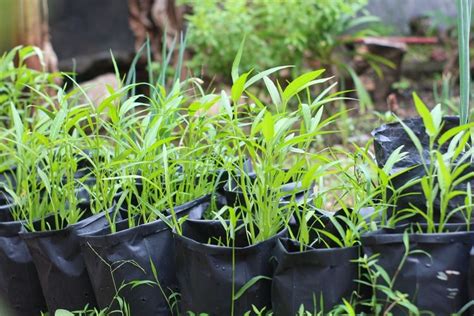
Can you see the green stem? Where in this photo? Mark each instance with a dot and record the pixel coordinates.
(464, 8)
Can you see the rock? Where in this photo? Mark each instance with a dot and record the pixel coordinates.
(96, 89)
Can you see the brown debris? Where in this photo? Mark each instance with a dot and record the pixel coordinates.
(152, 18)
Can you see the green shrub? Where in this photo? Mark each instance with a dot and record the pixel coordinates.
(278, 32)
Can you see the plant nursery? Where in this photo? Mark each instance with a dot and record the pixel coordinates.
(264, 157)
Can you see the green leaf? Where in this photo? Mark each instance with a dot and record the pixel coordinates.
(331, 236)
(226, 104)
(235, 64)
(362, 94)
(367, 19)
(153, 270)
(272, 89)
(299, 83)
(268, 128)
(306, 112)
(454, 131)
(45, 180)
(348, 308)
(63, 312)
(315, 121)
(264, 74)
(394, 157)
(239, 86)
(444, 176)
(17, 124)
(425, 114)
(437, 115)
(249, 284)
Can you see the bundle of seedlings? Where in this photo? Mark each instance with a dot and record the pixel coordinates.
(20, 286)
(54, 208)
(418, 138)
(223, 261)
(19, 84)
(165, 168)
(428, 260)
(424, 265)
(20, 88)
(316, 268)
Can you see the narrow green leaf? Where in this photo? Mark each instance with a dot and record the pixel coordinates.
(349, 309)
(236, 63)
(299, 83)
(239, 86)
(226, 104)
(444, 176)
(264, 74)
(425, 115)
(63, 312)
(453, 131)
(272, 89)
(268, 128)
(249, 284)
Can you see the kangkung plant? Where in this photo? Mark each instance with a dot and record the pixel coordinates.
(277, 142)
(446, 160)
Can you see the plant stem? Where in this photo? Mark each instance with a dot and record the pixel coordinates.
(464, 8)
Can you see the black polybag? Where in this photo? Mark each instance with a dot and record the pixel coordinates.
(20, 288)
(389, 137)
(436, 274)
(130, 251)
(312, 276)
(7, 180)
(60, 265)
(235, 196)
(205, 271)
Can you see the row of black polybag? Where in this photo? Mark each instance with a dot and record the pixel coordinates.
(87, 264)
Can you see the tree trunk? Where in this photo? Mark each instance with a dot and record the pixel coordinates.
(27, 24)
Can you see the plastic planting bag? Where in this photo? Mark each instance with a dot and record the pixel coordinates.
(60, 265)
(436, 273)
(131, 252)
(20, 287)
(205, 271)
(311, 277)
(389, 137)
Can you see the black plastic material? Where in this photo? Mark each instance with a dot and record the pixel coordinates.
(60, 265)
(7, 179)
(234, 195)
(389, 137)
(304, 277)
(205, 271)
(143, 244)
(436, 276)
(5, 211)
(19, 284)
